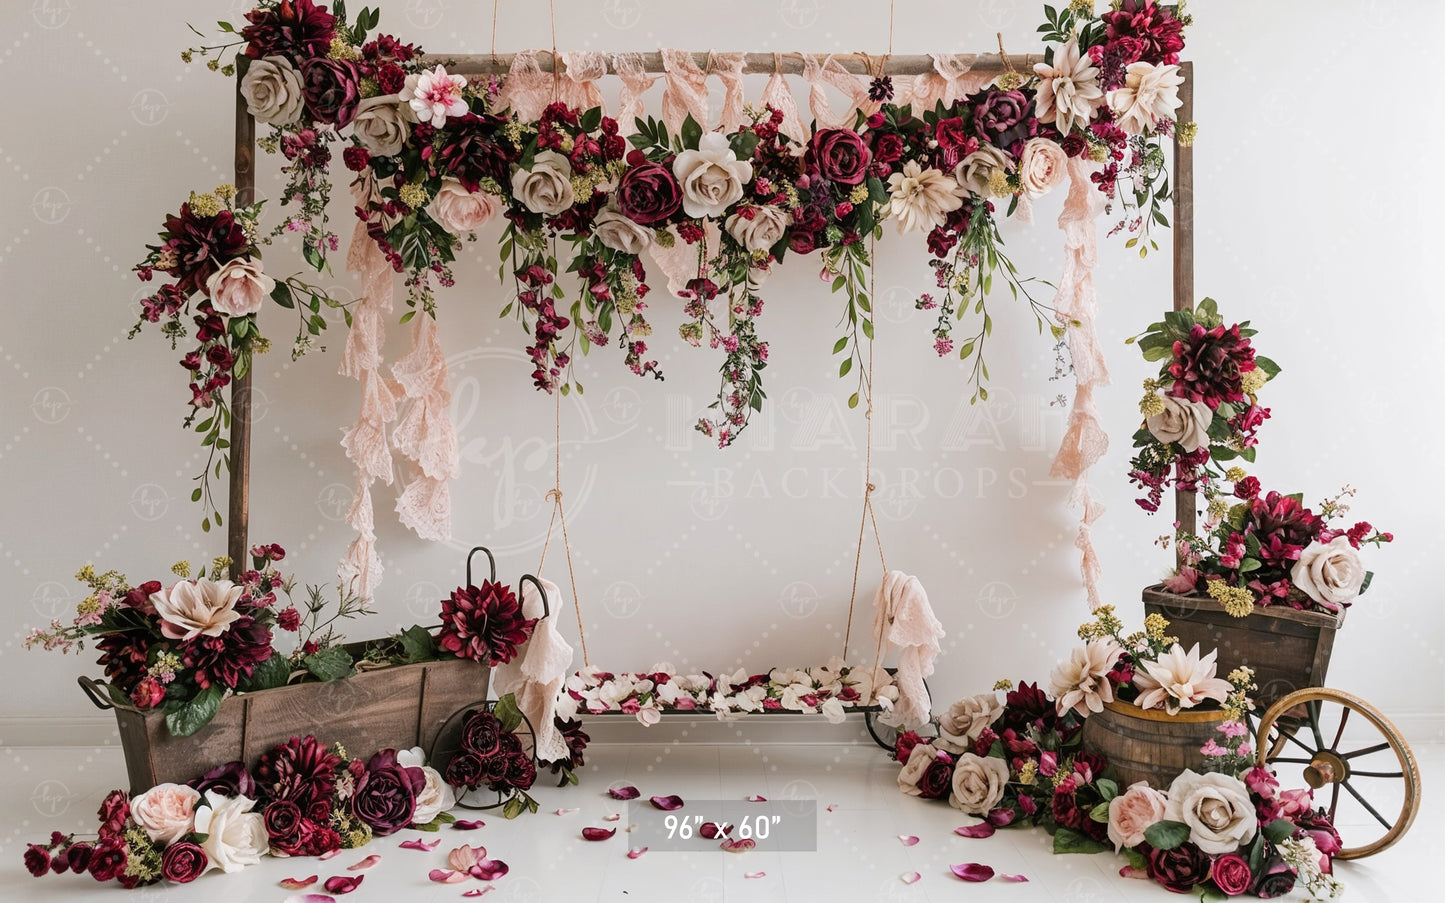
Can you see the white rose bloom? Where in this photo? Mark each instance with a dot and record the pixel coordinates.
(382, 124)
(235, 836)
(272, 91)
(436, 796)
(974, 171)
(922, 198)
(618, 232)
(1042, 167)
(1069, 91)
(760, 231)
(965, 720)
(1216, 808)
(978, 783)
(1329, 573)
(1182, 421)
(547, 187)
(1150, 94)
(712, 177)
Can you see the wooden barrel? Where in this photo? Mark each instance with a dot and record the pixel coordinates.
(1150, 744)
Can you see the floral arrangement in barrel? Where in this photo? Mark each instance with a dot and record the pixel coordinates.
(434, 161)
(1226, 829)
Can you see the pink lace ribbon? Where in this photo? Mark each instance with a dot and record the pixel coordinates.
(425, 435)
(684, 90)
(578, 87)
(831, 72)
(779, 96)
(526, 90)
(728, 67)
(903, 617)
(635, 83)
(1076, 305)
(679, 262)
(949, 81)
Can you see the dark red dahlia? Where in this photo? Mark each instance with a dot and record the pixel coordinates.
(331, 89)
(1159, 33)
(229, 658)
(298, 29)
(1027, 706)
(1283, 527)
(201, 244)
(484, 623)
(473, 152)
(576, 740)
(123, 656)
(1208, 364)
(302, 770)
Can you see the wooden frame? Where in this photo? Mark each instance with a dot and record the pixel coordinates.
(754, 63)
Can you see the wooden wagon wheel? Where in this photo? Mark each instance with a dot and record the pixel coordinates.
(1318, 749)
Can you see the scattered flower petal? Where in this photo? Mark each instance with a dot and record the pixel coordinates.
(667, 803)
(712, 829)
(908, 840)
(478, 891)
(419, 844)
(298, 883)
(757, 799)
(1129, 871)
(310, 898)
(738, 846)
(566, 811)
(465, 856)
(366, 863)
(447, 876)
(597, 833)
(624, 793)
(462, 824)
(1019, 878)
(489, 869)
(616, 816)
(329, 854)
(636, 854)
(832, 807)
(755, 874)
(972, 871)
(340, 884)
(982, 829)
(910, 877)
(1001, 817)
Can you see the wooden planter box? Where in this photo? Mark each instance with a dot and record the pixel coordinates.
(1150, 745)
(1288, 649)
(401, 706)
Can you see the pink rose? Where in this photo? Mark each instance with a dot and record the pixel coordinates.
(239, 288)
(1131, 812)
(458, 211)
(166, 812)
(1042, 167)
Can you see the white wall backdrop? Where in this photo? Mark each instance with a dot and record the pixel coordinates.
(1317, 202)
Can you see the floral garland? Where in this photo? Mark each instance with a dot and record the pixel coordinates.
(435, 159)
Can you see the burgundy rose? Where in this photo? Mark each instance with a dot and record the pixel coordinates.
(114, 810)
(937, 781)
(183, 862)
(295, 28)
(802, 242)
(37, 860)
(231, 779)
(229, 658)
(107, 861)
(148, 694)
(839, 155)
(1073, 144)
(481, 733)
(903, 746)
(887, 147)
(77, 856)
(484, 623)
(1231, 874)
(140, 597)
(1159, 34)
(1002, 118)
(949, 133)
(385, 796)
(521, 771)
(494, 770)
(1275, 880)
(1317, 825)
(648, 193)
(1065, 807)
(509, 745)
(466, 770)
(330, 90)
(283, 821)
(1179, 869)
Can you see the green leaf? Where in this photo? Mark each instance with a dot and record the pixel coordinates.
(1249, 564)
(1365, 584)
(1067, 840)
(965, 351)
(691, 133)
(743, 144)
(1279, 830)
(507, 712)
(196, 495)
(1100, 813)
(844, 367)
(332, 663)
(1108, 789)
(417, 644)
(1270, 368)
(590, 120)
(853, 400)
(868, 328)
(196, 714)
(1166, 835)
(273, 672)
(281, 294)
(513, 807)
(840, 345)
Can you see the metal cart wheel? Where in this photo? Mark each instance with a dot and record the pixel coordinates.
(448, 743)
(885, 735)
(1373, 765)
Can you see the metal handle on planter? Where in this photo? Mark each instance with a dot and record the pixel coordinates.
(546, 609)
(490, 560)
(95, 690)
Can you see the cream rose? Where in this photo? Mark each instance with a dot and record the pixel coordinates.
(191, 608)
(166, 812)
(1042, 167)
(235, 836)
(547, 187)
(272, 90)
(978, 783)
(1329, 573)
(974, 171)
(618, 232)
(1216, 808)
(919, 761)
(382, 124)
(1132, 811)
(1183, 421)
(239, 287)
(460, 211)
(965, 720)
(760, 230)
(435, 796)
(712, 177)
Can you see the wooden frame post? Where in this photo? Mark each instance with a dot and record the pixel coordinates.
(239, 454)
(1184, 500)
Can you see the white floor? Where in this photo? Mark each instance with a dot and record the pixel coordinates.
(859, 856)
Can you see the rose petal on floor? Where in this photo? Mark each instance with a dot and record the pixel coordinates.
(447, 876)
(1001, 817)
(636, 854)
(907, 840)
(597, 833)
(419, 844)
(757, 799)
(667, 803)
(465, 856)
(832, 807)
(298, 883)
(478, 891)
(310, 898)
(366, 863)
(738, 846)
(462, 824)
(340, 884)
(982, 829)
(1129, 871)
(329, 854)
(616, 816)
(755, 874)
(1019, 878)
(972, 871)
(910, 877)
(566, 811)
(712, 830)
(627, 792)
(489, 869)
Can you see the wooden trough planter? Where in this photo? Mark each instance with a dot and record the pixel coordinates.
(399, 706)
(1150, 744)
(1289, 650)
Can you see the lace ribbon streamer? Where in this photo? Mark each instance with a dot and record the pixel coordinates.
(635, 83)
(831, 72)
(526, 90)
(579, 89)
(684, 90)
(536, 675)
(728, 67)
(949, 81)
(903, 617)
(1076, 304)
(425, 435)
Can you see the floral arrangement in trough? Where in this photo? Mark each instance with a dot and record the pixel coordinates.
(831, 690)
(1229, 830)
(436, 156)
(491, 757)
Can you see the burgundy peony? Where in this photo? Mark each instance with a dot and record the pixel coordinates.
(231, 779)
(183, 862)
(77, 856)
(466, 770)
(107, 861)
(839, 155)
(385, 796)
(481, 733)
(472, 152)
(1002, 118)
(201, 244)
(1275, 880)
(648, 193)
(1208, 364)
(484, 623)
(1231, 874)
(887, 147)
(937, 781)
(298, 29)
(521, 771)
(1158, 33)
(331, 90)
(1179, 869)
(903, 746)
(229, 658)
(283, 821)
(302, 770)
(37, 860)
